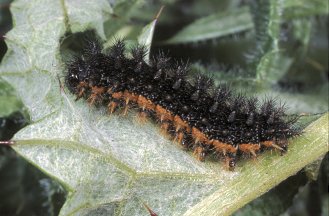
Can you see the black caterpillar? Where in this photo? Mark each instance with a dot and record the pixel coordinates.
(197, 114)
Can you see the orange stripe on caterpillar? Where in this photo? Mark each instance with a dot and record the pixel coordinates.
(272, 144)
(96, 95)
(130, 97)
(117, 95)
(223, 147)
(199, 136)
(250, 148)
(163, 114)
(145, 103)
(81, 88)
(180, 124)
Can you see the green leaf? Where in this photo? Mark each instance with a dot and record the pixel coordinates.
(119, 25)
(301, 8)
(79, 19)
(112, 165)
(271, 62)
(9, 101)
(214, 26)
(98, 172)
(267, 20)
(146, 36)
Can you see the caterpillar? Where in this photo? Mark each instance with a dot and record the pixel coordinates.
(202, 117)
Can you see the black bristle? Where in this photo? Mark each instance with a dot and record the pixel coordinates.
(92, 48)
(180, 72)
(139, 52)
(250, 119)
(160, 63)
(118, 49)
(231, 117)
(203, 83)
(222, 93)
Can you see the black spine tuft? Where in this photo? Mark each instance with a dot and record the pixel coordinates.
(180, 71)
(160, 63)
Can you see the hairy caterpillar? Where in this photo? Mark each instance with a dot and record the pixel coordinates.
(205, 118)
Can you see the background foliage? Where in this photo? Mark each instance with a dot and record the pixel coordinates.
(263, 47)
